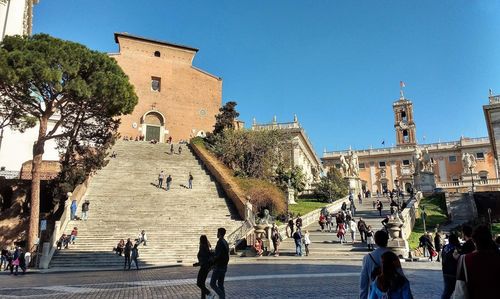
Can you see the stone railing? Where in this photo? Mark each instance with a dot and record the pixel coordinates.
(409, 149)
(49, 248)
(478, 182)
(409, 215)
(221, 175)
(276, 126)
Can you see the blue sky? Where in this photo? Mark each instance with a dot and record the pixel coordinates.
(336, 64)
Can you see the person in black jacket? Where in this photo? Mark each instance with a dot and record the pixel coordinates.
(205, 259)
(468, 246)
(126, 252)
(221, 259)
(449, 258)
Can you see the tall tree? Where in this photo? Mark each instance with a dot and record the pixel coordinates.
(64, 82)
(226, 117)
(331, 186)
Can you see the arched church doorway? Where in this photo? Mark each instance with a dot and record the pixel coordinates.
(153, 124)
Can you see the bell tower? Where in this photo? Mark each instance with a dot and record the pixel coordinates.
(404, 123)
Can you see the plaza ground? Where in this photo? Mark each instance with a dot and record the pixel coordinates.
(277, 280)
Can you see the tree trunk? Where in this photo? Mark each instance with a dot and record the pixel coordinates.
(38, 149)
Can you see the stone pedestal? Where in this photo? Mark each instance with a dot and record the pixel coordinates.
(424, 182)
(354, 184)
(290, 196)
(396, 242)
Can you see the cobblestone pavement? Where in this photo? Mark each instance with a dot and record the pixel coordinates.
(278, 280)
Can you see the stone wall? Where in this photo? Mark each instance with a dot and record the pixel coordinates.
(223, 177)
(188, 98)
(409, 215)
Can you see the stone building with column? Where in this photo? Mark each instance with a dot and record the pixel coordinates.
(394, 167)
(176, 99)
(302, 151)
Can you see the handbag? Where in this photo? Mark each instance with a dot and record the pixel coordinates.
(461, 291)
(15, 262)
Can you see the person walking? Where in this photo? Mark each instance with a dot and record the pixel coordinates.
(74, 234)
(341, 233)
(468, 246)
(276, 239)
(135, 255)
(205, 257)
(391, 282)
(360, 199)
(437, 245)
(307, 241)
(290, 228)
(126, 252)
(322, 222)
(169, 181)
(329, 222)
(370, 242)
(143, 238)
(3, 261)
(85, 210)
(73, 209)
(221, 259)
(161, 176)
(380, 206)
(171, 148)
(449, 256)
(190, 181)
(362, 229)
(297, 237)
(352, 229)
(480, 270)
(180, 149)
(372, 263)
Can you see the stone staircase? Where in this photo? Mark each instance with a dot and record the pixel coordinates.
(124, 200)
(325, 245)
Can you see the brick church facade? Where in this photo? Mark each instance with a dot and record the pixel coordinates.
(176, 99)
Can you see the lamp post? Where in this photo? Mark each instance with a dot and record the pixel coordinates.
(424, 215)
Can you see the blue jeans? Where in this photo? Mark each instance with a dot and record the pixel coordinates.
(217, 281)
(298, 247)
(73, 214)
(190, 184)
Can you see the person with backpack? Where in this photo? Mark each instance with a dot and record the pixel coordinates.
(390, 282)
(297, 236)
(362, 229)
(126, 252)
(372, 263)
(322, 222)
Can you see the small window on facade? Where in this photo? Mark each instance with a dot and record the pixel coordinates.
(452, 159)
(406, 162)
(155, 83)
(480, 155)
(361, 165)
(157, 54)
(381, 163)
